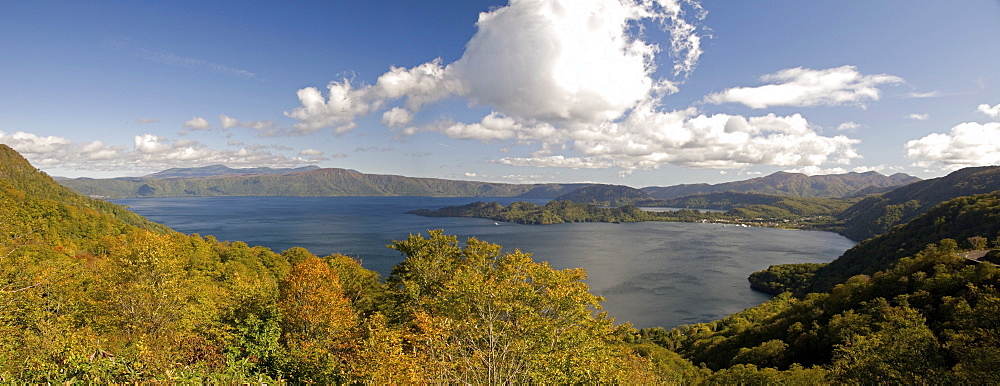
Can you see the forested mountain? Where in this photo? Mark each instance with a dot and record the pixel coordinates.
(792, 184)
(320, 182)
(916, 311)
(959, 219)
(26, 185)
(606, 195)
(223, 170)
(874, 215)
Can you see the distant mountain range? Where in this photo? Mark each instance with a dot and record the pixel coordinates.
(219, 180)
(794, 184)
(315, 182)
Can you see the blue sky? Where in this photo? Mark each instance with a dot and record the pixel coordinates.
(638, 93)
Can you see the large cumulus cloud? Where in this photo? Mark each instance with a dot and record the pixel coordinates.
(583, 78)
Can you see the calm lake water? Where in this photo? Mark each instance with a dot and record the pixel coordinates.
(650, 273)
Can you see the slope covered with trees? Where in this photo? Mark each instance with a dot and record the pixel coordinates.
(875, 215)
(605, 195)
(913, 312)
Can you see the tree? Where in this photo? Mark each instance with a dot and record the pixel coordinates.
(318, 321)
(489, 317)
(901, 350)
(978, 242)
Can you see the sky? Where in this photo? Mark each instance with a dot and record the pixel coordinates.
(631, 92)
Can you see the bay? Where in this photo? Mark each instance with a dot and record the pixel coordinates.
(650, 273)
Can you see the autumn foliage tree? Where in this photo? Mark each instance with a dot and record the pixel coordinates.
(318, 321)
(480, 315)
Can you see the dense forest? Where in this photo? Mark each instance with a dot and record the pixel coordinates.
(93, 293)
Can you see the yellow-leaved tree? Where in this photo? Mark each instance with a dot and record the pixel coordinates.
(480, 315)
(318, 322)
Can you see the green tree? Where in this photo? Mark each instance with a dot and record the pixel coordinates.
(489, 317)
(901, 350)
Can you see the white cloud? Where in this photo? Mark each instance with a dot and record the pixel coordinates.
(339, 110)
(426, 83)
(558, 161)
(968, 144)
(397, 117)
(311, 153)
(230, 122)
(374, 149)
(149, 153)
(557, 62)
(807, 87)
(816, 170)
(470, 174)
(930, 94)
(144, 121)
(493, 127)
(993, 112)
(848, 126)
(919, 117)
(649, 138)
(198, 123)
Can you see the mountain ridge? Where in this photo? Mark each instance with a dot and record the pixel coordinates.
(318, 182)
(791, 184)
(875, 215)
(219, 180)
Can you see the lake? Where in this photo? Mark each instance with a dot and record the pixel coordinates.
(650, 273)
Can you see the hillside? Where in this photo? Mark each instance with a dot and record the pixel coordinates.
(319, 182)
(38, 194)
(958, 219)
(874, 215)
(792, 184)
(605, 195)
(897, 309)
